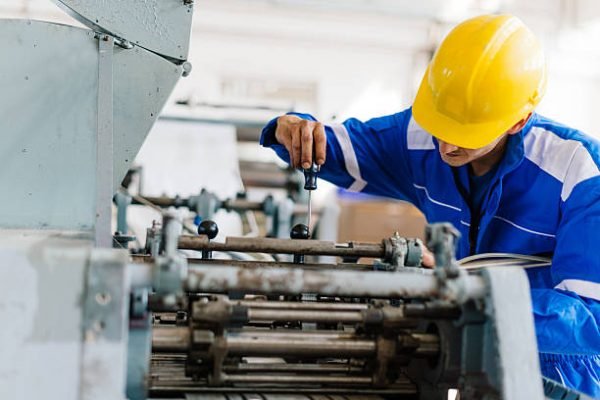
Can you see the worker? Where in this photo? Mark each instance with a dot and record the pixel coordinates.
(473, 151)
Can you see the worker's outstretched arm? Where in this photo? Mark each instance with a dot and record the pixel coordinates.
(367, 157)
(567, 318)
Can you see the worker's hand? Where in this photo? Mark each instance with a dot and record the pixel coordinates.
(428, 260)
(300, 137)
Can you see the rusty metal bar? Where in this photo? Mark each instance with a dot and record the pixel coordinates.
(229, 204)
(291, 305)
(171, 338)
(257, 314)
(299, 379)
(284, 246)
(367, 393)
(294, 281)
(297, 343)
(145, 259)
(265, 347)
(284, 367)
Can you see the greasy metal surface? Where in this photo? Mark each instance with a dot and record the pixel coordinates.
(295, 379)
(265, 264)
(168, 378)
(161, 26)
(249, 342)
(284, 246)
(304, 315)
(229, 204)
(291, 305)
(104, 144)
(326, 282)
(49, 120)
(265, 347)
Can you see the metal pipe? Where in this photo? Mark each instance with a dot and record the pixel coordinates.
(284, 246)
(257, 314)
(291, 305)
(248, 346)
(170, 338)
(163, 201)
(229, 204)
(259, 263)
(165, 387)
(429, 344)
(299, 379)
(284, 367)
(277, 343)
(289, 334)
(294, 281)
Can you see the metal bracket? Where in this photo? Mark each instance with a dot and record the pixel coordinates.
(104, 143)
(105, 301)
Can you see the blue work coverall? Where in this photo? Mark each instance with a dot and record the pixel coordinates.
(543, 199)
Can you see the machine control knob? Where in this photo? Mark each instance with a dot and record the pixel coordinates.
(208, 228)
(300, 231)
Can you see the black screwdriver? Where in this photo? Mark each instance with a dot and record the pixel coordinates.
(310, 184)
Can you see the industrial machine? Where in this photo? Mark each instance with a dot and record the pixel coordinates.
(383, 330)
(85, 321)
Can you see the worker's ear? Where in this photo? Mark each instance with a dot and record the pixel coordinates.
(516, 128)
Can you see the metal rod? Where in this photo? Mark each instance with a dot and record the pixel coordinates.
(291, 305)
(248, 346)
(170, 338)
(257, 314)
(162, 387)
(294, 281)
(289, 334)
(229, 204)
(265, 264)
(284, 367)
(284, 246)
(299, 379)
(298, 343)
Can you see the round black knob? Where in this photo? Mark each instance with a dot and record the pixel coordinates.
(299, 231)
(208, 228)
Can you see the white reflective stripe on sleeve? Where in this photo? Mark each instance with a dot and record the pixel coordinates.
(417, 138)
(343, 138)
(565, 159)
(582, 288)
(522, 228)
(439, 203)
(582, 168)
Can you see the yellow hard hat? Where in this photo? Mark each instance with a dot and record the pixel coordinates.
(488, 73)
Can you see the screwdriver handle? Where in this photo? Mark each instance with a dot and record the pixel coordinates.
(310, 177)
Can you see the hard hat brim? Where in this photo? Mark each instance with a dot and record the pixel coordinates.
(447, 129)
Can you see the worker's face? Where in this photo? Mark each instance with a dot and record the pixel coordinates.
(459, 156)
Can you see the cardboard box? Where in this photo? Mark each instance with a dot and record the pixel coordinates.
(374, 220)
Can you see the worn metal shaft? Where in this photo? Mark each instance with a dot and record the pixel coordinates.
(136, 258)
(285, 367)
(257, 314)
(265, 347)
(299, 379)
(284, 246)
(294, 281)
(292, 305)
(295, 343)
(229, 204)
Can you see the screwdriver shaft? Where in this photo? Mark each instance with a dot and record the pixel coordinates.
(309, 213)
